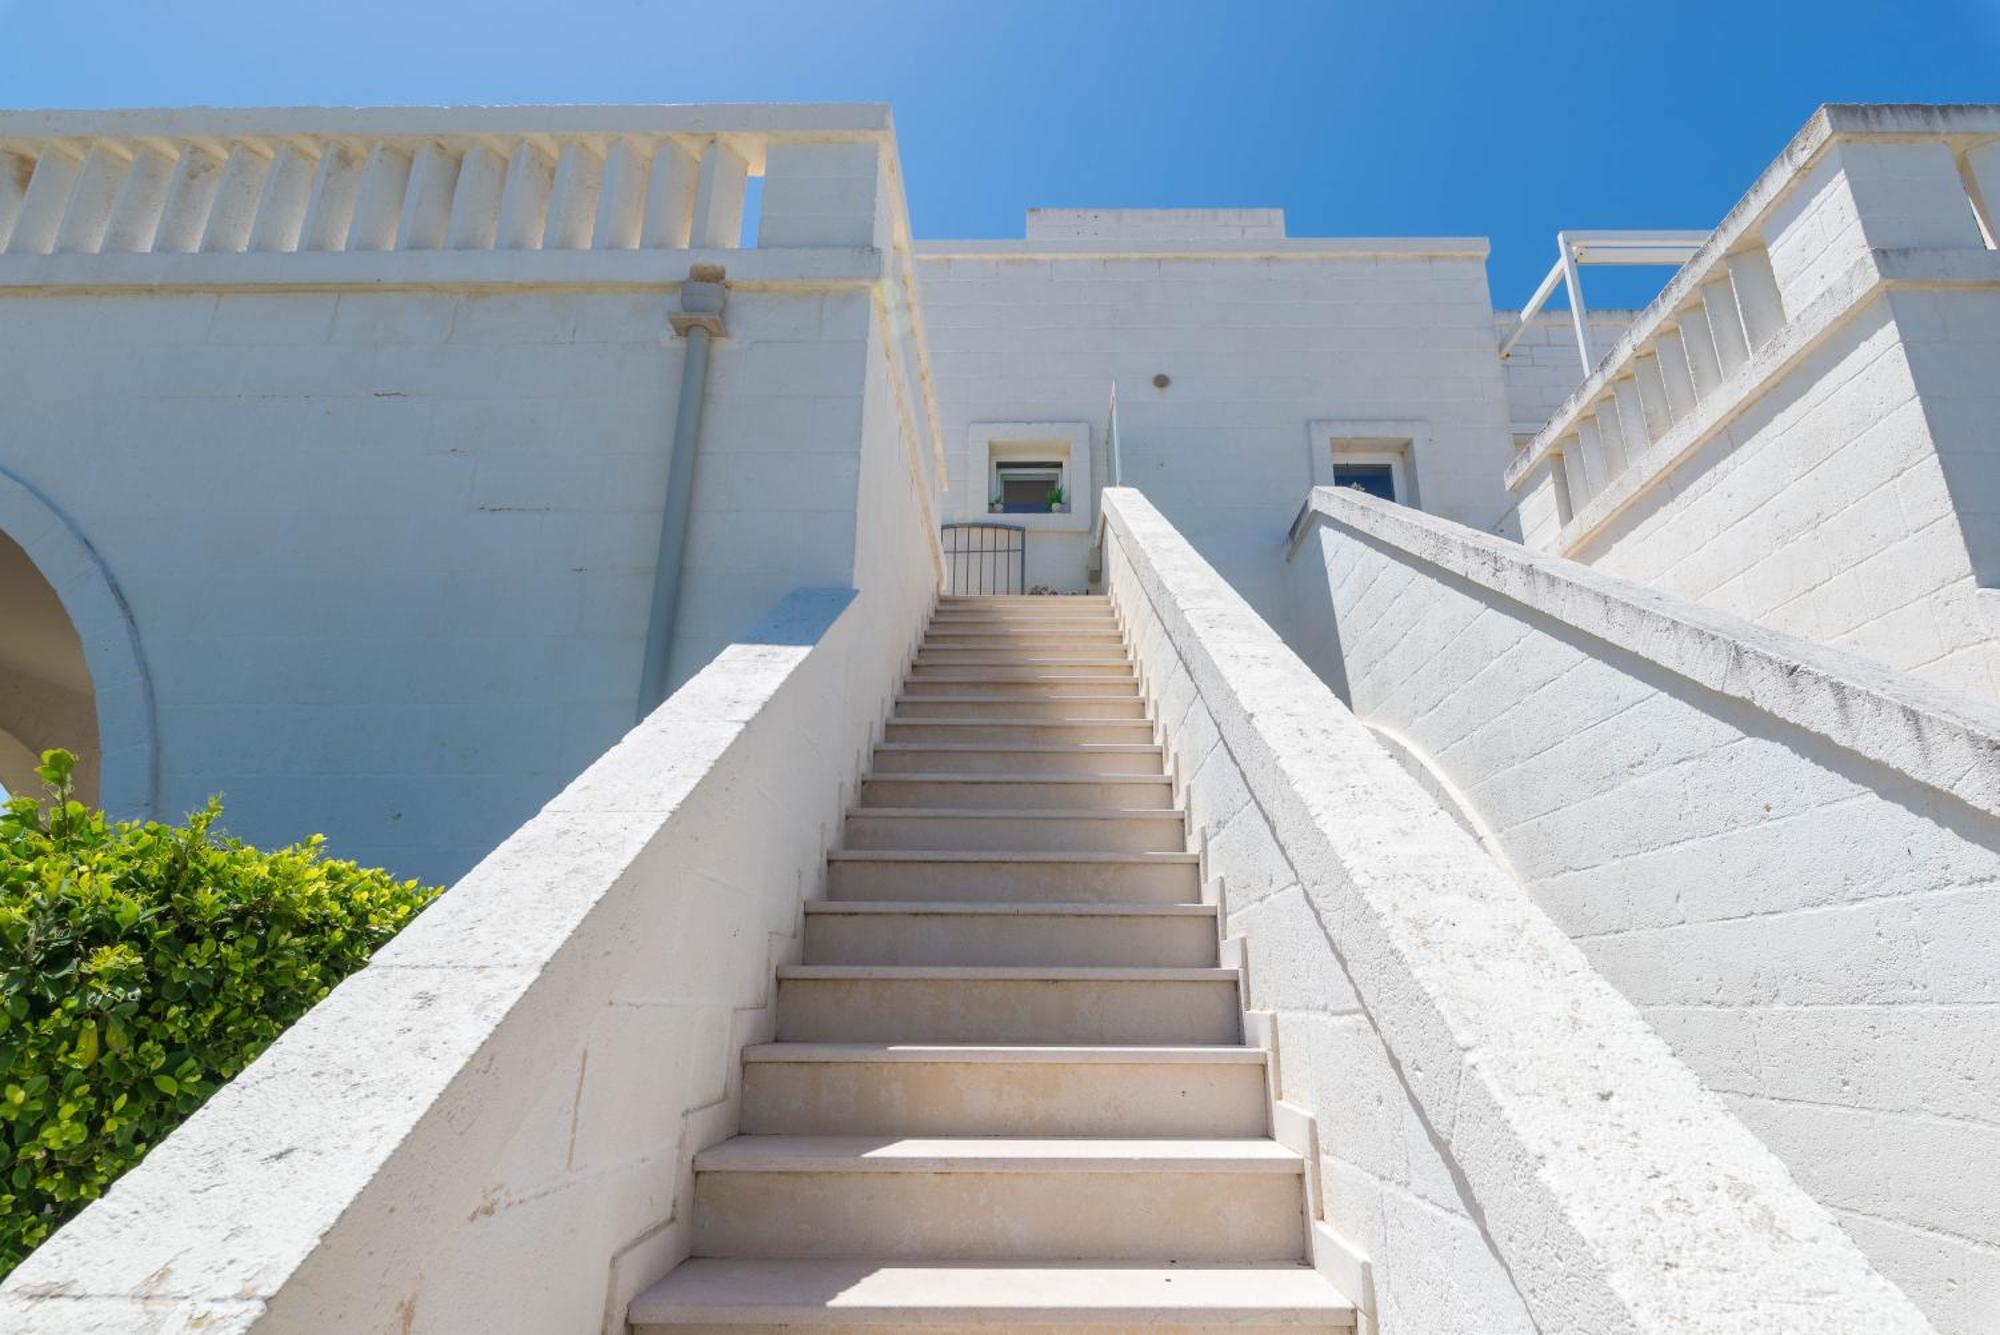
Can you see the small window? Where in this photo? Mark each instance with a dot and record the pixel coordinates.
(1375, 479)
(1030, 486)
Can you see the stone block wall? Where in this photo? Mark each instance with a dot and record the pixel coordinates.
(1783, 855)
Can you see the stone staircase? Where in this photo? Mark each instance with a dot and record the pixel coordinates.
(1009, 1085)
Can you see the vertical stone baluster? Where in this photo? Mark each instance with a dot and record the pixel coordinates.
(475, 204)
(16, 170)
(1757, 295)
(379, 205)
(1576, 479)
(1559, 478)
(42, 204)
(88, 213)
(281, 211)
(1725, 326)
(1592, 454)
(1633, 429)
(621, 202)
(1611, 435)
(718, 198)
(190, 196)
(1676, 380)
(426, 216)
(573, 198)
(1699, 345)
(524, 204)
(1646, 374)
(330, 210)
(234, 211)
(670, 189)
(142, 198)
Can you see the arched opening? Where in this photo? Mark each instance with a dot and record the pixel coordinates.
(46, 698)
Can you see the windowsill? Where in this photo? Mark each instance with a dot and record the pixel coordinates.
(1044, 522)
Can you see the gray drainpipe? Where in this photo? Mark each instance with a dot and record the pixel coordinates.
(699, 321)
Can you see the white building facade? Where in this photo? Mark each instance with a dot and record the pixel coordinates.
(1593, 763)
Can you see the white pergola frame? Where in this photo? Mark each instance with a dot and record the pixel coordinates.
(1574, 249)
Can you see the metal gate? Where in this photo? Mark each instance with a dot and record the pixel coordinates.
(985, 558)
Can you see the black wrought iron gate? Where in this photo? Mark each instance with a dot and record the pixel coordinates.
(985, 558)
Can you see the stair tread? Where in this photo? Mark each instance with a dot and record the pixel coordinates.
(1023, 748)
(980, 855)
(1023, 813)
(1011, 908)
(993, 1154)
(1217, 1054)
(983, 776)
(1087, 973)
(782, 1292)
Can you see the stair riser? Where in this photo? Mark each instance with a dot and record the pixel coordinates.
(932, 656)
(1020, 732)
(1148, 762)
(1036, 882)
(1023, 669)
(1025, 834)
(1026, 638)
(1010, 938)
(1044, 709)
(1033, 688)
(1135, 794)
(1118, 1099)
(1056, 1215)
(984, 1010)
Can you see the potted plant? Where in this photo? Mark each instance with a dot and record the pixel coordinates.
(1057, 503)
(996, 505)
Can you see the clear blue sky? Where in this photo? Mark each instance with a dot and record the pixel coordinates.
(1378, 118)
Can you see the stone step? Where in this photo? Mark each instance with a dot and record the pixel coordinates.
(1013, 707)
(1049, 831)
(1022, 734)
(829, 1295)
(991, 668)
(845, 1003)
(1055, 686)
(1045, 757)
(1107, 651)
(905, 932)
(1020, 792)
(1029, 599)
(981, 1198)
(960, 877)
(1011, 639)
(902, 1089)
(1004, 623)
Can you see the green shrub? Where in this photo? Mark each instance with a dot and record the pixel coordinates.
(141, 966)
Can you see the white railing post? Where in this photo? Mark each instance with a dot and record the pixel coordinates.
(524, 202)
(330, 210)
(1757, 295)
(475, 200)
(1579, 314)
(426, 213)
(234, 209)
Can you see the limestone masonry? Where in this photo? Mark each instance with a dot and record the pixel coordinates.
(1503, 835)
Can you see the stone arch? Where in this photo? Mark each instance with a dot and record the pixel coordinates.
(121, 686)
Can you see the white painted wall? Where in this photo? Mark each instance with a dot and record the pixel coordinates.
(1259, 339)
(1499, 1132)
(1543, 368)
(386, 518)
(491, 1126)
(1783, 855)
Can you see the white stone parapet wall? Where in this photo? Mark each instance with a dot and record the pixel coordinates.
(490, 1127)
(1499, 1131)
(367, 536)
(1797, 430)
(1784, 855)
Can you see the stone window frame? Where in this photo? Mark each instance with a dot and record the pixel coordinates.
(1399, 443)
(1069, 442)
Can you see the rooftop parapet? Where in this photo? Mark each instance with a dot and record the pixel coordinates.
(1836, 218)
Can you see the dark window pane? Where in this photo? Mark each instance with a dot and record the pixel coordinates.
(1375, 479)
